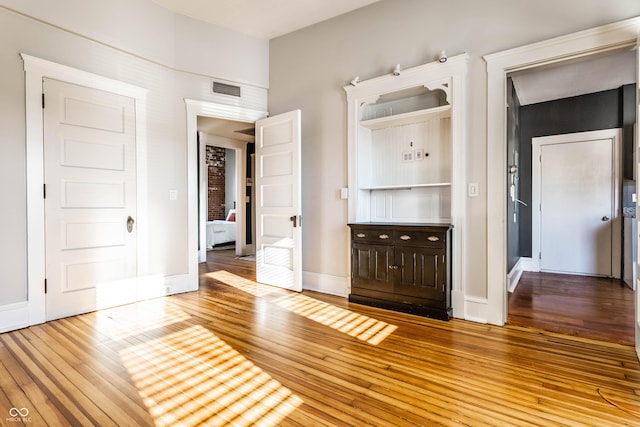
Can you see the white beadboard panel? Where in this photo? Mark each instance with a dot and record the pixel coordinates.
(365, 157)
(363, 212)
(416, 153)
(380, 205)
(428, 204)
(251, 97)
(92, 154)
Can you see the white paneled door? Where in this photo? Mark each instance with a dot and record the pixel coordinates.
(90, 199)
(278, 201)
(577, 188)
(636, 264)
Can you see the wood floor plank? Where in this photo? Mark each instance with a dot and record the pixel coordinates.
(240, 353)
(594, 307)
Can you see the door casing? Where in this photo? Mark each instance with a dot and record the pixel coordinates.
(36, 69)
(197, 191)
(595, 41)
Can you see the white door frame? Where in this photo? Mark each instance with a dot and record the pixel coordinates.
(195, 108)
(615, 135)
(607, 38)
(36, 69)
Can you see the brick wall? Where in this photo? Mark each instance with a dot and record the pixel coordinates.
(216, 162)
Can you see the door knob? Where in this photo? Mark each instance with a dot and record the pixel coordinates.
(605, 218)
(130, 222)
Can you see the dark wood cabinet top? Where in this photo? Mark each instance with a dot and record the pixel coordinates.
(400, 226)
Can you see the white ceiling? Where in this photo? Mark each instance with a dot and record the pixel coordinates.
(265, 19)
(272, 18)
(575, 78)
(231, 129)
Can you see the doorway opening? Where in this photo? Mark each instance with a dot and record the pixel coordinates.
(596, 93)
(225, 153)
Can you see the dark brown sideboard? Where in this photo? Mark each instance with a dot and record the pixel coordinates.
(402, 267)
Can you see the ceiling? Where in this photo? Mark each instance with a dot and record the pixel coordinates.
(575, 78)
(272, 18)
(231, 129)
(265, 19)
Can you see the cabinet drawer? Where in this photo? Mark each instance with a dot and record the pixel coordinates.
(420, 238)
(371, 236)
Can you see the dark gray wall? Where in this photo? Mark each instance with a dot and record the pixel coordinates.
(597, 111)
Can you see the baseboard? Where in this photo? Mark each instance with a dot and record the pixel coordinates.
(513, 277)
(529, 264)
(17, 316)
(327, 284)
(179, 283)
(457, 303)
(475, 309)
(14, 316)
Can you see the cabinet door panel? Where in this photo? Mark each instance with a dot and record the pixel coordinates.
(421, 273)
(370, 264)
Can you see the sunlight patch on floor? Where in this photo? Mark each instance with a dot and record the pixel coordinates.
(138, 318)
(353, 324)
(356, 325)
(246, 285)
(192, 377)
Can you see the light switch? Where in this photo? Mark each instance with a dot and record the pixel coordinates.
(473, 189)
(173, 195)
(344, 193)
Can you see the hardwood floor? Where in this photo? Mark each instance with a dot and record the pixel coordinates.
(592, 307)
(240, 353)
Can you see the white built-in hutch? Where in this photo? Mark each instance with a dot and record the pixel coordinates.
(406, 139)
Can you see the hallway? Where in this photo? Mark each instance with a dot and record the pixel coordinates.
(589, 307)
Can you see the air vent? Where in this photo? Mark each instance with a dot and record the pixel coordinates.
(226, 89)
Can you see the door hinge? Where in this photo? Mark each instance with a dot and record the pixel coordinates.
(539, 255)
(44, 191)
(45, 286)
(43, 100)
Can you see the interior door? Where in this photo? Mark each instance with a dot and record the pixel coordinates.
(278, 201)
(637, 170)
(576, 213)
(90, 199)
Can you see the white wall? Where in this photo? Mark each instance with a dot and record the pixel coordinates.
(137, 42)
(309, 68)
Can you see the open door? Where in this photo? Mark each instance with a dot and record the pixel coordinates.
(637, 177)
(278, 201)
